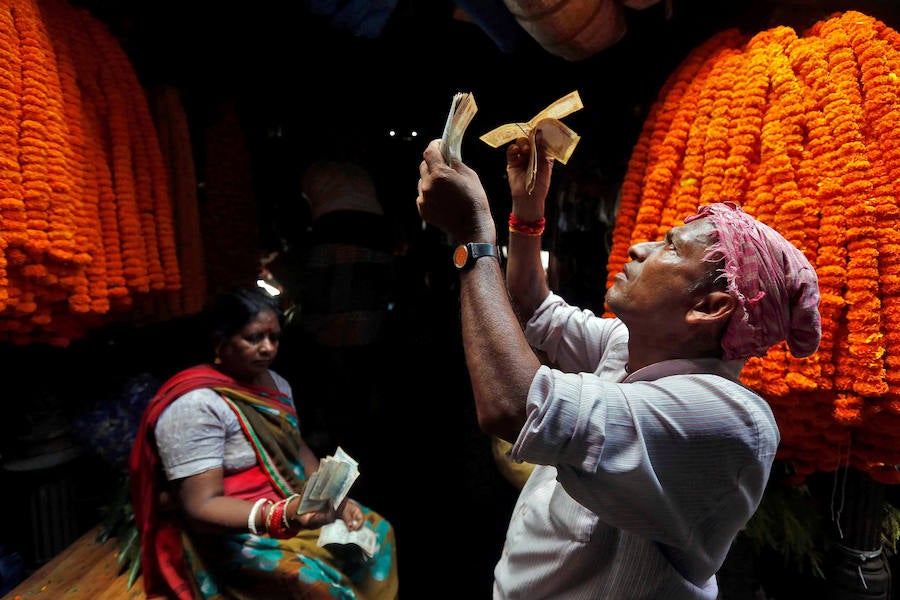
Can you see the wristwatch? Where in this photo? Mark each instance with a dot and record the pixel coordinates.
(465, 255)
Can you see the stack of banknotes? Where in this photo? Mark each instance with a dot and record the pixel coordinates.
(337, 539)
(462, 109)
(330, 483)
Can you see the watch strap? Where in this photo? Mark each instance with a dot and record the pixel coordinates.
(474, 251)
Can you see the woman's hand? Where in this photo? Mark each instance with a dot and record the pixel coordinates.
(312, 519)
(352, 514)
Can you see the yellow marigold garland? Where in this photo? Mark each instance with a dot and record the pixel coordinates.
(802, 131)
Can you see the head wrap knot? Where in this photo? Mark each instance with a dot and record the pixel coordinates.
(775, 285)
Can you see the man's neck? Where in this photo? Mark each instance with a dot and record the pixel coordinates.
(649, 349)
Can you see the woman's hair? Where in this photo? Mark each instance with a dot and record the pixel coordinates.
(230, 311)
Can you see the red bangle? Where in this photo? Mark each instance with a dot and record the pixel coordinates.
(275, 522)
(532, 228)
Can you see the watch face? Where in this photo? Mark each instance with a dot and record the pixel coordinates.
(460, 255)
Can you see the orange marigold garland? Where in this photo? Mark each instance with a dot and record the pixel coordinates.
(33, 131)
(695, 68)
(158, 187)
(881, 107)
(91, 293)
(883, 104)
(859, 365)
(801, 130)
(74, 136)
(13, 234)
(131, 235)
(720, 84)
(774, 197)
(177, 152)
(745, 128)
(128, 108)
(810, 67)
(98, 176)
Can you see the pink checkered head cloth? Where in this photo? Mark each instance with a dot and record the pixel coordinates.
(776, 287)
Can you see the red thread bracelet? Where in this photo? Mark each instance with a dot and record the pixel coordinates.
(531, 228)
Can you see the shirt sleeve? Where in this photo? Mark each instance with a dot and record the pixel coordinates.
(190, 434)
(576, 340)
(654, 457)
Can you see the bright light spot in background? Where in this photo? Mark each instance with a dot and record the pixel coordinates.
(407, 135)
(270, 289)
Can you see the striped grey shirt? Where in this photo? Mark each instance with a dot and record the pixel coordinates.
(642, 481)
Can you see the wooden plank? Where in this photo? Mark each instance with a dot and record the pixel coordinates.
(85, 570)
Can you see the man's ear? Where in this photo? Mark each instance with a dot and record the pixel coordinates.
(714, 306)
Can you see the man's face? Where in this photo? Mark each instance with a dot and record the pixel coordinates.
(655, 288)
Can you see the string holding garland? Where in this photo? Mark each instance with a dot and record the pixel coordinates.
(802, 131)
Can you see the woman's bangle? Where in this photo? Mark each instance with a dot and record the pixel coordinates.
(275, 521)
(251, 518)
(530, 228)
(277, 525)
(284, 516)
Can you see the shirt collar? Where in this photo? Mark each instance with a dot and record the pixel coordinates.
(729, 369)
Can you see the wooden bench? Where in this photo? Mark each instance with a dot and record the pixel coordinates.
(85, 570)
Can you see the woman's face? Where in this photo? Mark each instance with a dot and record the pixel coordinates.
(247, 354)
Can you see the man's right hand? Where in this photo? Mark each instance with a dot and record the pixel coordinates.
(452, 198)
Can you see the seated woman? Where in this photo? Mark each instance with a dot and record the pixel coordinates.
(217, 472)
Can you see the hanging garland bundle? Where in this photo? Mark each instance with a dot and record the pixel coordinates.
(87, 217)
(802, 132)
(175, 142)
(230, 208)
(94, 297)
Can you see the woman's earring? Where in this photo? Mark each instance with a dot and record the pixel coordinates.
(217, 360)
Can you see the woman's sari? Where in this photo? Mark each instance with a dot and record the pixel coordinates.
(180, 564)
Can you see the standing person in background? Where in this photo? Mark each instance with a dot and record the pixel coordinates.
(344, 291)
(651, 456)
(217, 472)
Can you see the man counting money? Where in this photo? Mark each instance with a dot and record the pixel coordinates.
(650, 455)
